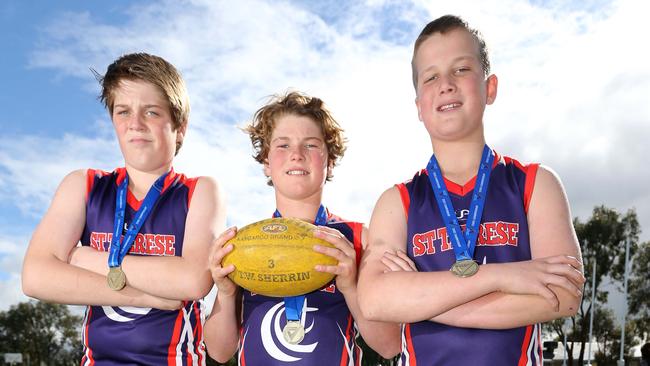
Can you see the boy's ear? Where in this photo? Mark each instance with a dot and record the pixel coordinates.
(417, 105)
(491, 88)
(180, 133)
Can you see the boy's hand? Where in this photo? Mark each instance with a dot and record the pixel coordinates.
(346, 270)
(225, 286)
(534, 277)
(398, 261)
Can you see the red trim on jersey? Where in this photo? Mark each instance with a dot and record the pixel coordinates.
(191, 184)
(462, 190)
(409, 345)
(242, 355)
(198, 333)
(176, 336)
(88, 355)
(357, 230)
(169, 179)
(132, 201)
(406, 199)
(121, 174)
(523, 359)
(344, 353)
(531, 174)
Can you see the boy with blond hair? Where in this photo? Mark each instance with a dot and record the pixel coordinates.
(477, 249)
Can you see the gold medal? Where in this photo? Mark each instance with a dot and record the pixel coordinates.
(116, 278)
(293, 332)
(464, 268)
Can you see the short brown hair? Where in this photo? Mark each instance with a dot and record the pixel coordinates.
(299, 104)
(152, 69)
(443, 25)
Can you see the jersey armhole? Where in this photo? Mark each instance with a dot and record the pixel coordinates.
(529, 185)
(406, 200)
(357, 230)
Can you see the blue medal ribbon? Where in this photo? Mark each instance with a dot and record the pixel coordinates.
(293, 304)
(119, 247)
(463, 243)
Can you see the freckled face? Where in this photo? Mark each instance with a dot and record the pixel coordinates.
(297, 162)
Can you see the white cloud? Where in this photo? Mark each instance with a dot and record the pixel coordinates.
(573, 93)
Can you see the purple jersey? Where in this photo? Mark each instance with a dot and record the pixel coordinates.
(330, 333)
(141, 336)
(503, 237)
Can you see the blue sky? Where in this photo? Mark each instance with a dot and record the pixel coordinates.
(573, 94)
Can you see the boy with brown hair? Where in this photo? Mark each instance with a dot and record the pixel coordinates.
(144, 229)
(476, 250)
(299, 143)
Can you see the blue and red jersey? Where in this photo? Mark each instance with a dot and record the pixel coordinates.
(330, 333)
(141, 336)
(503, 237)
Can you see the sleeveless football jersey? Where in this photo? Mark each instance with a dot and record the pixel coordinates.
(503, 237)
(330, 333)
(131, 335)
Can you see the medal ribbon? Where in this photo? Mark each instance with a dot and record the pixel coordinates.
(293, 304)
(119, 247)
(462, 242)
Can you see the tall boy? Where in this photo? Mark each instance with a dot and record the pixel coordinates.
(510, 218)
(144, 229)
(299, 143)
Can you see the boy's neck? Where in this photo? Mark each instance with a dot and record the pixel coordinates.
(305, 209)
(141, 181)
(459, 161)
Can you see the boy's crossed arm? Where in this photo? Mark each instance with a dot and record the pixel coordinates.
(183, 277)
(47, 275)
(498, 296)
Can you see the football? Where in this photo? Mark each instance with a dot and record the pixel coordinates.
(275, 257)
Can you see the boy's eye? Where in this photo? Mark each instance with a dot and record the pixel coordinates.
(123, 112)
(461, 70)
(430, 78)
(151, 113)
(312, 146)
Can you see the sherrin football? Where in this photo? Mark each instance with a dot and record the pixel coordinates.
(275, 257)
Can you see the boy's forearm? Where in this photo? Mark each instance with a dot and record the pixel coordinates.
(221, 329)
(405, 297)
(383, 337)
(504, 311)
(50, 279)
(166, 277)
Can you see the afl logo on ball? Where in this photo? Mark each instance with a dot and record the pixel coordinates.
(274, 228)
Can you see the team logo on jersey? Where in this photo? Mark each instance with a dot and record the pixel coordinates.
(124, 314)
(461, 215)
(273, 340)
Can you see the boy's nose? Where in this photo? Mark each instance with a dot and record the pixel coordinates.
(297, 154)
(136, 122)
(446, 85)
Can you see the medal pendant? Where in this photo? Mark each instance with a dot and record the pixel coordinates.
(116, 278)
(464, 268)
(293, 332)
